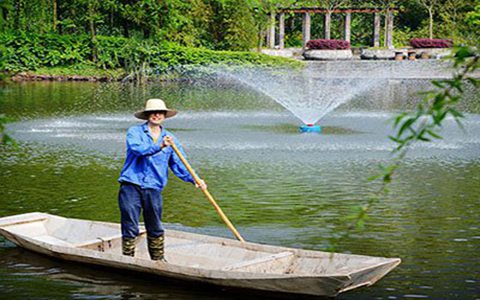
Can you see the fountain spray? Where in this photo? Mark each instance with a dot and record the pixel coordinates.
(306, 94)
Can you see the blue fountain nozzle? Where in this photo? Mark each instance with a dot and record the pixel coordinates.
(310, 128)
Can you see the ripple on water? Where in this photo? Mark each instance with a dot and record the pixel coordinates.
(277, 187)
(415, 296)
(245, 131)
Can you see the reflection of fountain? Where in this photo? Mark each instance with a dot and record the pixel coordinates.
(308, 97)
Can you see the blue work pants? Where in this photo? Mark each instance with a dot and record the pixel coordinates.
(132, 199)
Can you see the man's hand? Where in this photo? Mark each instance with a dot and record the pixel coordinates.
(202, 185)
(167, 141)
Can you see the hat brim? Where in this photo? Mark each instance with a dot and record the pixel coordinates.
(143, 115)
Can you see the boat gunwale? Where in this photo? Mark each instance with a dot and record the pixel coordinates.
(252, 246)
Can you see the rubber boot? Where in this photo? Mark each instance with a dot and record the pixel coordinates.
(128, 246)
(156, 248)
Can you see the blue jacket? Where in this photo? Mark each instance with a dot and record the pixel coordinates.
(147, 164)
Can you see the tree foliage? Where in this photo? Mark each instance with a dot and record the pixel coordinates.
(473, 17)
(215, 24)
(224, 24)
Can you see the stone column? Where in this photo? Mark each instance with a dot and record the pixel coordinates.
(271, 41)
(389, 32)
(306, 29)
(267, 36)
(376, 30)
(281, 30)
(347, 28)
(326, 25)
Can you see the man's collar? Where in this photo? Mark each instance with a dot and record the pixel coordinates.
(145, 128)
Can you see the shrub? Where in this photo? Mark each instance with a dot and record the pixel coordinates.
(24, 51)
(29, 52)
(328, 44)
(431, 43)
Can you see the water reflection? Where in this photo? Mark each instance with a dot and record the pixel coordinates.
(39, 99)
(278, 187)
(55, 279)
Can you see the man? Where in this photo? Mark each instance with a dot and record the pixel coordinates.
(145, 174)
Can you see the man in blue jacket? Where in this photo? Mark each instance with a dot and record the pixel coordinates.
(145, 174)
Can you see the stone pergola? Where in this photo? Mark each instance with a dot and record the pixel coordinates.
(271, 37)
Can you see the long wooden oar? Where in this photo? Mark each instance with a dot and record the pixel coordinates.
(207, 194)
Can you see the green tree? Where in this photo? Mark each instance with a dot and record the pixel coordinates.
(147, 15)
(240, 29)
(187, 22)
(431, 6)
(473, 17)
(453, 17)
(6, 8)
(233, 25)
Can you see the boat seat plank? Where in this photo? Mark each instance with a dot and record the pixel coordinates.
(257, 261)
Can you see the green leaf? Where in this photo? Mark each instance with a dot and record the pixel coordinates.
(462, 53)
(433, 134)
(374, 177)
(439, 116)
(455, 113)
(387, 178)
(7, 140)
(424, 139)
(395, 139)
(475, 82)
(407, 124)
(438, 83)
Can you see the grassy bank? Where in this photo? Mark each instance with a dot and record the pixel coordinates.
(78, 72)
(115, 57)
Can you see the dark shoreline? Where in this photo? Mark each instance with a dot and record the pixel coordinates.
(20, 77)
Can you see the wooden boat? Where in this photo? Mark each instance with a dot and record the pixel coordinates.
(200, 258)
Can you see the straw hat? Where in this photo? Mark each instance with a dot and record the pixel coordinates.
(155, 105)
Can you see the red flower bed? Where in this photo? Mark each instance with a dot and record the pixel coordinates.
(431, 43)
(328, 44)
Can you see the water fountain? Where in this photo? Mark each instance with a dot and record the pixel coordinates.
(305, 95)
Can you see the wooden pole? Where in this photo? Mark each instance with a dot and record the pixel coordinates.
(207, 194)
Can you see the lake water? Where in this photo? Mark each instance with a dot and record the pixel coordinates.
(277, 186)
